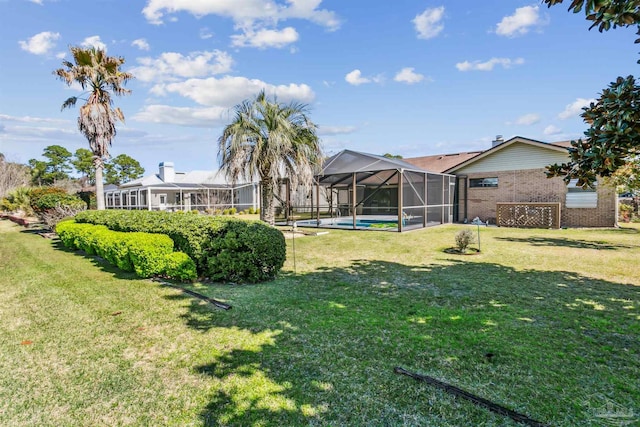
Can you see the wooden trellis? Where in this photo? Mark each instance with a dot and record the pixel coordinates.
(528, 215)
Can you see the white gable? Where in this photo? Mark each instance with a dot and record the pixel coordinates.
(515, 156)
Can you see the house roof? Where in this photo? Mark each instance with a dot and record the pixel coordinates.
(448, 163)
(441, 162)
(184, 179)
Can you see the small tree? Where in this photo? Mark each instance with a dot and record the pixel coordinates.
(58, 162)
(122, 168)
(83, 163)
(464, 238)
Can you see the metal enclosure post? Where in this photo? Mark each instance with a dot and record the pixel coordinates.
(400, 191)
(318, 204)
(424, 217)
(353, 200)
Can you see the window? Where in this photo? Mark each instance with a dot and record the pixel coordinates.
(483, 182)
(578, 197)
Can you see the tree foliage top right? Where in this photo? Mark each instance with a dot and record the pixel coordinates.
(612, 140)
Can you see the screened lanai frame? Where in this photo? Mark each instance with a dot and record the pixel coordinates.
(390, 195)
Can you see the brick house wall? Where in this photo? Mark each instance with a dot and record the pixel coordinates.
(532, 185)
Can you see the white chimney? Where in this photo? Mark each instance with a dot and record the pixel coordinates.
(499, 140)
(167, 172)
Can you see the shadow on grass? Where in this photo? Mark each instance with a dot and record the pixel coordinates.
(319, 347)
(564, 242)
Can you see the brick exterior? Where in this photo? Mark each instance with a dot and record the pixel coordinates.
(532, 185)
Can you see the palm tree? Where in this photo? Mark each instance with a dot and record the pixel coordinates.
(101, 77)
(270, 140)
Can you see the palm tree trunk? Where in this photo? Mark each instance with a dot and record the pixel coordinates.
(99, 166)
(267, 212)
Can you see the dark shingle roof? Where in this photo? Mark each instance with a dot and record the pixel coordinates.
(441, 162)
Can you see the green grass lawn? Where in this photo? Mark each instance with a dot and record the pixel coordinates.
(82, 343)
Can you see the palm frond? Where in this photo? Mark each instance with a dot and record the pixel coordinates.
(70, 102)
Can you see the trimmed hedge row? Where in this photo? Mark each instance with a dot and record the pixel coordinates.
(146, 254)
(222, 248)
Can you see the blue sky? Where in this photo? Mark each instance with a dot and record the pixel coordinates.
(407, 77)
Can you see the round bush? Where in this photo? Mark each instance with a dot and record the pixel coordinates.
(249, 251)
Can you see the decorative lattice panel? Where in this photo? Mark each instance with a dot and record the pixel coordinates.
(528, 215)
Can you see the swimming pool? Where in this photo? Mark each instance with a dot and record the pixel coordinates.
(374, 223)
(381, 222)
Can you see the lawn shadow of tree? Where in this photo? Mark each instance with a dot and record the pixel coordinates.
(565, 242)
(330, 338)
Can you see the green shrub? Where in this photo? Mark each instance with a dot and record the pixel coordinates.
(36, 193)
(67, 232)
(51, 201)
(179, 266)
(245, 251)
(148, 253)
(52, 207)
(625, 212)
(17, 200)
(258, 254)
(145, 253)
(464, 238)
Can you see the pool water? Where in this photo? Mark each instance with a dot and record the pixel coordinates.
(376, 223)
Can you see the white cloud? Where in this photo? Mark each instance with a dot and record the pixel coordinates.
(575, 108)
(247, 15)
(41, 43)
(170, 66)
(29, 119)
(335, 130)
(141, 44)
(229, 91)
(61, 55)
(266, 38)
(528, 119)
(355, 78)
(552, 130)
(407, 75)
(205, 33)
(94, 41)
(520, 22)
(429, 24)
(488, 65)
(183, 116)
